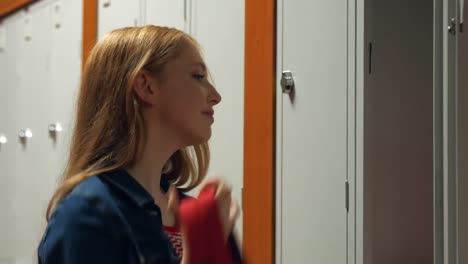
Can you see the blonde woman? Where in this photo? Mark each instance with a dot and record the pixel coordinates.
(144, 117)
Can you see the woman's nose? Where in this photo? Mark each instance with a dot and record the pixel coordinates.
(215, 97)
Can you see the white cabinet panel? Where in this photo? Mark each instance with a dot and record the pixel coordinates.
(3, 107)
(6, 148)
(113, 14)
(314, 133)
(65, 72)
(9, 150)
(463, 147)
(40, 67)
(31, 108)
(169, 13)
(222, 45)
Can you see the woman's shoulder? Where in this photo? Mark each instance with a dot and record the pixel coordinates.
(90, 194)
(89, 199)
(91, 188)
(89, 204)
(82, 223)
(85, 214)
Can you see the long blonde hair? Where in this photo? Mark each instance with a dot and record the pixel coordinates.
(109, 132)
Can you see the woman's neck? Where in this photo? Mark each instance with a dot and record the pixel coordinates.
(148, 169)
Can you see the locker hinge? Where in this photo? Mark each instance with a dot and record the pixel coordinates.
(347, 196)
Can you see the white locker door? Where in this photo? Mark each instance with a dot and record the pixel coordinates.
(227, 70)
(451, 142)
(65, 79)
(462, 58)
(455, 114)
(15, 34)
(4, 175)
(169, 13)
(3, 99)
(32, 106)
(314, 133)
(7, 97)
(115, 14)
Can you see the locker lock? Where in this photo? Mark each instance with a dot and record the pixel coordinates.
(287, 82)
(55, 128)
(452, 27)
(3, 139)
(25, 133)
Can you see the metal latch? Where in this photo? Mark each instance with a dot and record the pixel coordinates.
(452, 28)
(287, 82)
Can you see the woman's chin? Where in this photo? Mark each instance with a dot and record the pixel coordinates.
(198, 139)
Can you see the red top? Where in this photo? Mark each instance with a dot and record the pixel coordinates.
(175, 235)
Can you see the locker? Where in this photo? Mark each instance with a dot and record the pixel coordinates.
(43, 54)
(423, 167)
(27, 93)
(9, 150)
(43, 73)
(398, 133)
(116, 14)
(227, 70)
(462, 58)
(65, 72)
(169, 13)
(33, 100)
(396, 124)
(42, 83)
(312, 116)
(7, 142)
(3, 109)
(451, 55)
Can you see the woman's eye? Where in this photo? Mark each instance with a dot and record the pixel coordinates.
(199, 76)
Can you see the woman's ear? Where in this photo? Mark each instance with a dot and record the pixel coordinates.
(146, 88)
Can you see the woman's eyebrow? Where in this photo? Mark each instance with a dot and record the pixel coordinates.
(200, 64)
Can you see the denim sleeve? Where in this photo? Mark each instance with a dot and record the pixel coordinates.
(81, 231)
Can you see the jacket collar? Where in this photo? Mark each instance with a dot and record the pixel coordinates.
(123, 181)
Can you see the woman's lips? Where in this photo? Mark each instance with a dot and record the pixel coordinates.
(210, 115)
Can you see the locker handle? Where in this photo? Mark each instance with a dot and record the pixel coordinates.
(55, 127)
(287, 82)
(452, 27)
(25, 133)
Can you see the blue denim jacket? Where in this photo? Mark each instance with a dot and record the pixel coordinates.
(109, 218)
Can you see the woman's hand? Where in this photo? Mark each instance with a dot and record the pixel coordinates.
(228, 210)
